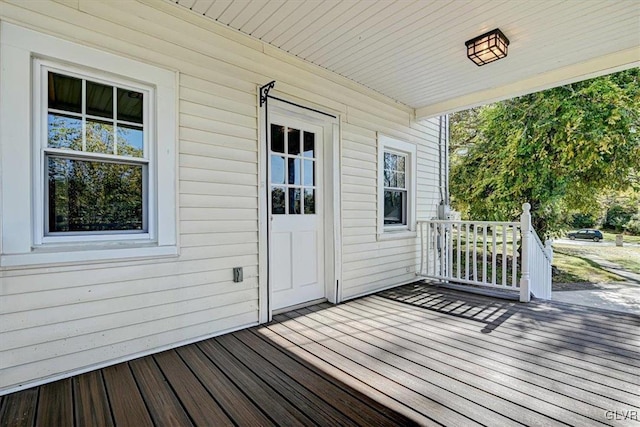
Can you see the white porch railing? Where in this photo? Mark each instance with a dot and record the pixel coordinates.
(485, 253)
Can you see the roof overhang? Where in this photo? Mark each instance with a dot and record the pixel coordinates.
(414, 51)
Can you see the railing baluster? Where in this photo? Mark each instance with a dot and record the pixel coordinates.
(422, 272)
(442, 249)
(475, 253)
(435, 249)
(450, 250)
(428, 249)
(458, 249)
(484, 254)
(493, 255)
(514, 260)
(504, 255)
(466, 254)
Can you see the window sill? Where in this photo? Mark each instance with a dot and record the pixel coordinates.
(397, 235)
(76, 255)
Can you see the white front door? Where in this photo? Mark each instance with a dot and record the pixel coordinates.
(296, 240)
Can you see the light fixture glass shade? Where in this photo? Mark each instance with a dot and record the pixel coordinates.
(488, 47)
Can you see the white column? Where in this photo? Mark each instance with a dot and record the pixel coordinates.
(525, 232)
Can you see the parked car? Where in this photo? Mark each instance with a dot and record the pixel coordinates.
(586, 234)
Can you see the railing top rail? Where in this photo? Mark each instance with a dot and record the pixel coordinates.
(539, 242)
(453, 221)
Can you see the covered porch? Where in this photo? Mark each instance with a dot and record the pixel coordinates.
(418, 354)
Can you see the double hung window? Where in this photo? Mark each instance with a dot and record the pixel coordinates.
(396, 187)
(95, 156)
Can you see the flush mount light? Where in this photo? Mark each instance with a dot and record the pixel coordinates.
(488, 47)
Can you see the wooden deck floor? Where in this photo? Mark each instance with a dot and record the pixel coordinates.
(411, 355)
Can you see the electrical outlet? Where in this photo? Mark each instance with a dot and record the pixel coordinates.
(237, 274)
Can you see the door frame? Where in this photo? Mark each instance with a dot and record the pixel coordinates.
(331, 209)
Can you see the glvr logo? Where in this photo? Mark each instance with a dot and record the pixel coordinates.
(622, 415)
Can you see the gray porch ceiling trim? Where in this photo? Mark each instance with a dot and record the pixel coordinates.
(413, 51)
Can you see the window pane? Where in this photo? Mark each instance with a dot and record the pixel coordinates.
(99, 136)
(99, 100)
(309, 144)
(277, 169)
(130, 141)
(277, 200)
(65, 93)
(64, 132)
(277, 138)
(294, 201)
(401, 164)
(309, 173)
(394, 207)
(94, 196)
(309, 201)
(294, 141)
(130, 105)
(390, 179)
(390, 161)
(293, 171)
(400, 180)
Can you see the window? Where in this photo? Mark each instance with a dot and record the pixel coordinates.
(94, 137)
(396, 207)
(95, 156)
(395, 188)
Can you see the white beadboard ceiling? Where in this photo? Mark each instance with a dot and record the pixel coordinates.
(413, 50)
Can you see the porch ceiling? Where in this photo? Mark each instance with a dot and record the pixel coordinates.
(414, 52)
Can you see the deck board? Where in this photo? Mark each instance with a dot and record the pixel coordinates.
(413, 355)
(127, 404)
(55, 406)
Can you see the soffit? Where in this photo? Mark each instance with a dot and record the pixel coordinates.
(414, 52)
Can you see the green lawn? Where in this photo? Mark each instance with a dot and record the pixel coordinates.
(578, 263)
(611, 237)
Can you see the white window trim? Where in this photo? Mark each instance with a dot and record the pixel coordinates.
(386, 143)
(23, 241)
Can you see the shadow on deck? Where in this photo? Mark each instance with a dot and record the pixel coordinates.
(416, 354)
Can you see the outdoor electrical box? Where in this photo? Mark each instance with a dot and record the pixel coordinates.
(444, 211)
(237, 274)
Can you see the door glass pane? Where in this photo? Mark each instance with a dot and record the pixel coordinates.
(293, 171)
(130, 141)
(64, 132)
(309, 144)
(277, 200)
(99, 100)
(99, 136)
(309, 201)
(277, 169)
(294, 141)
(130, 105)
(294, 201)
(309, 173)
(94, 196)
(65, 93)
(277, 138)
(394, 207)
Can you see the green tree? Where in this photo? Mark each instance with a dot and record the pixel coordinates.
(556, 149)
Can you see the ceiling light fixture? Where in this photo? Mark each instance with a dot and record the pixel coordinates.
(487, 48)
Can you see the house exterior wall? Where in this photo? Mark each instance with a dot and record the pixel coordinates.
(59, 319)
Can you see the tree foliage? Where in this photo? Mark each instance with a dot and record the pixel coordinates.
(556, 149)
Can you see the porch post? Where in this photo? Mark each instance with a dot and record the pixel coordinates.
(525, 230)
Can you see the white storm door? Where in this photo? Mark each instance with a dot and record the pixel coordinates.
(296, 240)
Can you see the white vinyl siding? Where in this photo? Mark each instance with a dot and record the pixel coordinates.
(65, 318)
